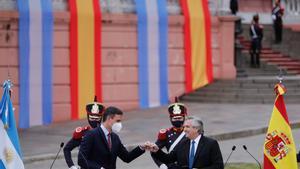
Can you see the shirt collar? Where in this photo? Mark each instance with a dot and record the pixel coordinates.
(104, 130)
(197, 139)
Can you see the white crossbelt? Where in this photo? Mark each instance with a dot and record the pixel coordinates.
(176, 141)
(253, 32)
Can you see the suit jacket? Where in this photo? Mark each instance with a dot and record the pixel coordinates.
(94, 152)
(208, 154)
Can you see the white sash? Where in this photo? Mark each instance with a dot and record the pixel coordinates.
(253, 32)
(176, 141)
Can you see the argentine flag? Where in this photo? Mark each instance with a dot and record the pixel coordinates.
(10, 153)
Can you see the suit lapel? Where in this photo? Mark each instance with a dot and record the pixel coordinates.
(200, 147)
(103, 137)
(187, 150)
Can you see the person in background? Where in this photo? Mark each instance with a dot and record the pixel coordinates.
(169, 138)
(94, 112)
(277, 13)
(256, 34)
(234, 6)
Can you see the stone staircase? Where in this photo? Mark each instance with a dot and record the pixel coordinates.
(246, 90)
(258, 84)
(270, 57)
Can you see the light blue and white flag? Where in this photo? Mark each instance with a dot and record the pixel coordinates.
(152, 52)
(35, 55)
(10, 152)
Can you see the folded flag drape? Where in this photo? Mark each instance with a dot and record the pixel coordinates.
(152, 52)
(197, 44)
(85, 54)
(35, 56)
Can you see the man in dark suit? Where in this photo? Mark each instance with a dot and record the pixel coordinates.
(101, 146)
(195, 151)
(234, 6)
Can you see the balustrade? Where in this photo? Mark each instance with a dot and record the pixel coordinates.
(292, 7)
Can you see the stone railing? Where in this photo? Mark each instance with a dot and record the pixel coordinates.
(292, 7)
(219, 7)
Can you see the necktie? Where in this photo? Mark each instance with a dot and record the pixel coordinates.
(192, 155)
(109, 140)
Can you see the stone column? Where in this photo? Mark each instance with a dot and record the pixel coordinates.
(226, 43)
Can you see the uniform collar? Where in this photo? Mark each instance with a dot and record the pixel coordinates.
(177, 129)
(104, 130)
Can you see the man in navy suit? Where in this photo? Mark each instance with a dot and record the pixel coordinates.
(101, 146)
(195, 151)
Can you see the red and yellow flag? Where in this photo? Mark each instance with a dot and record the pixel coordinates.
(279, 146)
(85, 54)
(197, 43)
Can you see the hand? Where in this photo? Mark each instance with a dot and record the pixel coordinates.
(145, 146)
(102, 168)
(163, 166)
(154, 148)
(150, 147)
(74, 167)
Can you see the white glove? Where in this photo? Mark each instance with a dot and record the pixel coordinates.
(74, 167)
(163, 166)
(102, 168)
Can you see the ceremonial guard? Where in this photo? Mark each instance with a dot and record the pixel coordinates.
(277, 13)
(170, 137)
(256, 34)
(94, 112)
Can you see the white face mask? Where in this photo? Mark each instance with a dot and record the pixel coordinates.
(116, 127)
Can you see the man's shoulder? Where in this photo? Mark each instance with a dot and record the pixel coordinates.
(79, 132)
(94, 131)
(208, 140)
(162, 134)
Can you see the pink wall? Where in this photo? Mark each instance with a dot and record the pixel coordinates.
(119, 52)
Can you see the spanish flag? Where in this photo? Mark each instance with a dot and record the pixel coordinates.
(197, 44)
(279, 146)
(85, 54)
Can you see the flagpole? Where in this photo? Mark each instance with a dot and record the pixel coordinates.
(7, 39)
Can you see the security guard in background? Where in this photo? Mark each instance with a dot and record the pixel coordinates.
(94, 112)
(170, 137)
(256, 34)
(277, 13)
(234, 6)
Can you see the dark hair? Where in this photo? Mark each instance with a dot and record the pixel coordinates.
(111, 112)
(255, 18)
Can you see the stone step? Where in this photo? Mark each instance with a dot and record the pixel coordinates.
(289, 64)
(225, 99)
(272, 55)
(291, 67)
(246, 90)
(267, 95)
(277, 60)
(268, 51)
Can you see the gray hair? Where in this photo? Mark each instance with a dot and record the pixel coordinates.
(196, 123)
